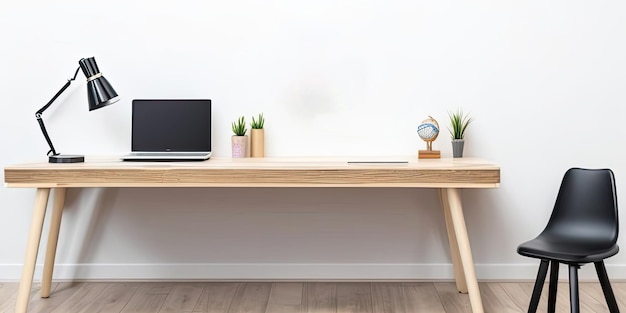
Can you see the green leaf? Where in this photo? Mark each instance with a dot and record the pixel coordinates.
(258, 124)
(458, 123)
(239, 126)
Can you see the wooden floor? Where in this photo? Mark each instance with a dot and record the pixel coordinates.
(290, 297)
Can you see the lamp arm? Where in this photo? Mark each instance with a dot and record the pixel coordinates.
(40, 111)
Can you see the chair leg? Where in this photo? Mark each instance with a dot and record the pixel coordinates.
(554, 280)
(606, 287)
(541, 278)
(573, 289)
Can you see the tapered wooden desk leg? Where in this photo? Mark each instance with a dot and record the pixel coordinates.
(459, 275)
(53, 238)
(465, 253)
(34, 236)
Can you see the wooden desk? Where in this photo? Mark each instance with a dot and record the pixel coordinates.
(447, 175)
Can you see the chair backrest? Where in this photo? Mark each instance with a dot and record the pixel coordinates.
(586, 208)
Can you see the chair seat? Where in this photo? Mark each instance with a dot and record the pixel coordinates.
(566, 252)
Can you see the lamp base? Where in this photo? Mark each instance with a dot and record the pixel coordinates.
(66, 158)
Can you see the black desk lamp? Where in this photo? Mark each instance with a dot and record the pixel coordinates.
(99, 92)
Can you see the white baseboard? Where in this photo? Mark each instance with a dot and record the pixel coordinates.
(277, 271)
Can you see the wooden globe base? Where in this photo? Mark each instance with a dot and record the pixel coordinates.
(429, 154)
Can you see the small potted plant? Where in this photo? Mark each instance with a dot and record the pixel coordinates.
(239, 140)
(257, 137)
(458, 124)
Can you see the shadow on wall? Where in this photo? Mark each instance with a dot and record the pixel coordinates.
(257, 225)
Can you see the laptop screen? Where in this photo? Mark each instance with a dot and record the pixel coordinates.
(171, 125)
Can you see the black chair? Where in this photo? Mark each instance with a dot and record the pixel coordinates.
(583, 228)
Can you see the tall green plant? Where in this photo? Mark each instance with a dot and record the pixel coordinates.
(239, 127)
(258, 124)
(458, 124)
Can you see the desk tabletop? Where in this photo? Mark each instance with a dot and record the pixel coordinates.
(260, 172)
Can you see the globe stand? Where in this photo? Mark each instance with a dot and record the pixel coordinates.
(428, 131)
(429, 153)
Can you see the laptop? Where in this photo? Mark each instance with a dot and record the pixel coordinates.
(170, 130)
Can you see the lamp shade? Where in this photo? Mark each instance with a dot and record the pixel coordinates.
(100, 93)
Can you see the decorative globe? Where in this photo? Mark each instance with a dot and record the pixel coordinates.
(428, 130)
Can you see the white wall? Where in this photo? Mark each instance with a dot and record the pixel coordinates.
(544, 81)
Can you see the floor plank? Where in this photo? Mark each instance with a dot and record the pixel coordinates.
(217, 297)
(422, 297)
(518, 293)
(320, 297)
(452, 300)
(81, 299)
(562, 300)
(620, 294)
(285, 298)
(495, 299)
(251, 299)
(148, 298)
(59, 293)
(595, 291)
(113, 298)
(354, 298)
(8, 293)
(388, 298)
(183, 298)
(298, 297)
